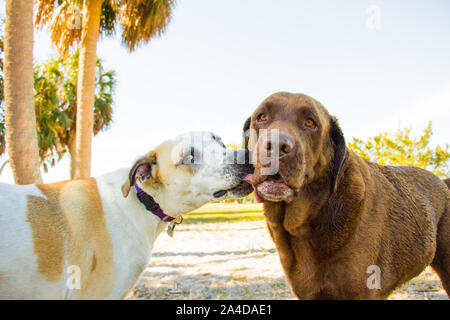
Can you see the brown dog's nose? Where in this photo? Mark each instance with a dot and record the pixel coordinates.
(285, 144)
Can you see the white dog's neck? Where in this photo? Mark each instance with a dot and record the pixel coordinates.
(170, 206)
(145, 222)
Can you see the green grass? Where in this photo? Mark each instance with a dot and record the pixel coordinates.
(223, 212)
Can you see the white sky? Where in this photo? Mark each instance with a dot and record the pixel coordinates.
(219, 59)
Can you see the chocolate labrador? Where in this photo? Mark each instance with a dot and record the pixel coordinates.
(344, 227)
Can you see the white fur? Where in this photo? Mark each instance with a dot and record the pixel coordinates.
(131, 227)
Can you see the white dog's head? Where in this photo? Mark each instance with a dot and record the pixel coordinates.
(184, 173)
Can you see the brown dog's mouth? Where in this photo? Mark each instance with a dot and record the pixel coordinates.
(274, 189)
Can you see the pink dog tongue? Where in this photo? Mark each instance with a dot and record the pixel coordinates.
(248, 178)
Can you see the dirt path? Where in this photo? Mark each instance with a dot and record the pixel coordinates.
(234, 261)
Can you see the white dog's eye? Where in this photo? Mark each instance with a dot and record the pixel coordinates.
(187, 159)
(218, 140)
(191, 157)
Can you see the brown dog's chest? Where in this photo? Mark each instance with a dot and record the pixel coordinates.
(336, 277)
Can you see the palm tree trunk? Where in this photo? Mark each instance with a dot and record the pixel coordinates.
(81, 166)
(20, 117)
(71, 146)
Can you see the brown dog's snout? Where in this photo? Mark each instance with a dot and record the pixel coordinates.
(283, 143)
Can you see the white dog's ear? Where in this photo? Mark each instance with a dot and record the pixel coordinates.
(141, 170)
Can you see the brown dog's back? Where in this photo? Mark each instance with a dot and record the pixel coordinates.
(401, 215)
(441, 262)
(447, 182)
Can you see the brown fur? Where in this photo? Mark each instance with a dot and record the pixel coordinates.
(447, 182)
(69, 226)
(48, 231)
(349, 213)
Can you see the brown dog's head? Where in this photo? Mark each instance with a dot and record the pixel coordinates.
(294, 141)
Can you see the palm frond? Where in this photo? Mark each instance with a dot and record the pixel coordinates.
(141, 20)
(64, 19)
(108, 18)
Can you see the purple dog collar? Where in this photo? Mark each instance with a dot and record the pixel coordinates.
(151, 205)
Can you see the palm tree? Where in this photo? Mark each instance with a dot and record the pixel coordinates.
(21, 135)
(55, 85)
(56, 106)
(139, 21)
(2, 98)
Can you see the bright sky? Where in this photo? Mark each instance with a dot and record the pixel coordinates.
(219, 59)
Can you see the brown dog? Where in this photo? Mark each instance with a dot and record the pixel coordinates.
(447, 182)
(344, 227)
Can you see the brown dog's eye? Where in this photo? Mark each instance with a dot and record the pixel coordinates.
(310, 124)
(262, 117)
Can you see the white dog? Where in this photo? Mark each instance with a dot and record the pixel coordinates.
(92, 239)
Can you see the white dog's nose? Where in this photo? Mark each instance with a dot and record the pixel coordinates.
(239, 156)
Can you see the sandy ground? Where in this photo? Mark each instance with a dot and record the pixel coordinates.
(234, 261)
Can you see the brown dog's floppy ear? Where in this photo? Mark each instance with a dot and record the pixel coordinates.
(141, 170)
(245, 133)
(340, 152)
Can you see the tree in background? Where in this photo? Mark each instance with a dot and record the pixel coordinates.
(81, 21)
(400, 149)
(56, 106)
(55, 84)
(20, 132)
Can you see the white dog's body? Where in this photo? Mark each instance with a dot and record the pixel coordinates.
(126, 228)
(52, 233)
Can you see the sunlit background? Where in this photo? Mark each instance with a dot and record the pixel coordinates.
(219, 59)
